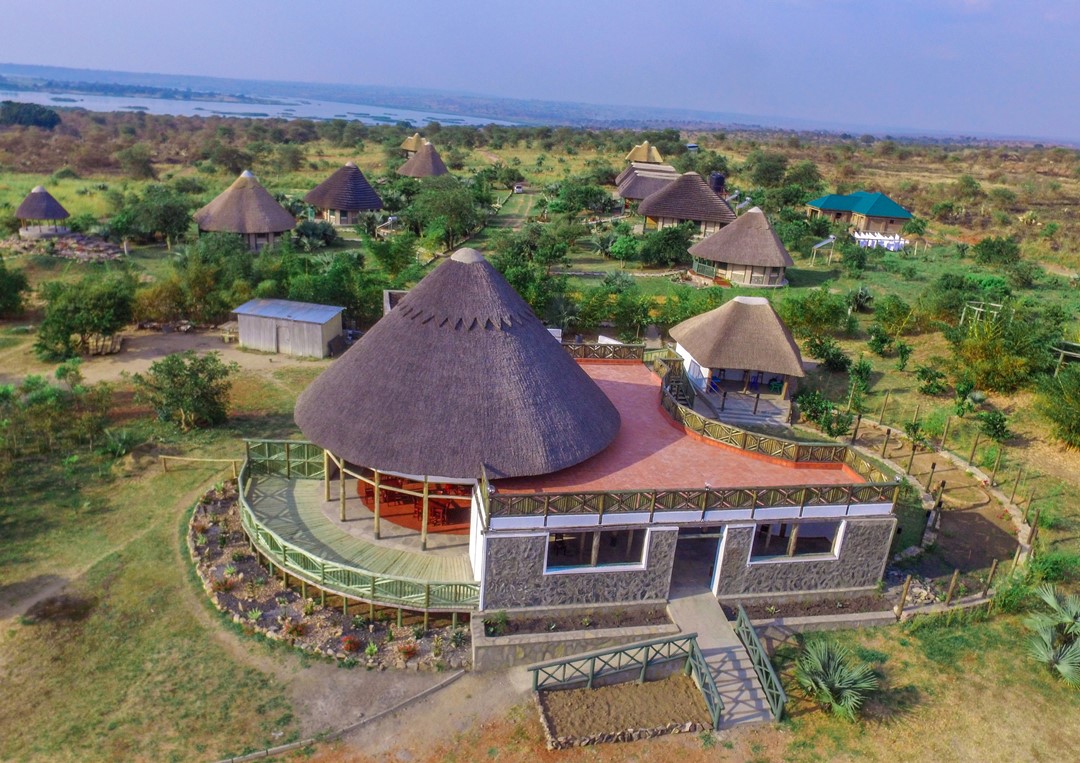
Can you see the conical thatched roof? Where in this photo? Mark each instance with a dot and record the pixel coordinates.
(39, 204)
(347, 189)
(644, 152)
(412, 143)
(460, 373)
(687, 198)
(750, 240)
(245, 207)
(425, 163)
(745, 333)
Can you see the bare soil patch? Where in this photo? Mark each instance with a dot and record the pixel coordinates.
(608, 709)
(564, 623)
(766, 609)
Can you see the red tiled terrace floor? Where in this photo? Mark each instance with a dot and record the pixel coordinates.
(651, 451)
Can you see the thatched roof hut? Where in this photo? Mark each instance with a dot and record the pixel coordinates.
(644, 152)
(425, 163)
(688, 197)
(460, 373)
(245, 207)
(746, 252)
(39, 204)
(639, 185)
(745, 333)
(635, 167)
(343, 195)
(412, 144)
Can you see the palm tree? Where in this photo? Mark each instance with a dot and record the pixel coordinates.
(1055, 641)
(828, 672)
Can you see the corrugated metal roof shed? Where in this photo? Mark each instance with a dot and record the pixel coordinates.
(301, 312)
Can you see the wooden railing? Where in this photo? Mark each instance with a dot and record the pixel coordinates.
(586, 668)
(597, 351)
(763, 666)
(658, 502)
(345, 580)
(673, 399)
(292, 459)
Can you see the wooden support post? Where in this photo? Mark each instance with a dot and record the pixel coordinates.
(1016, 559)
(990, 577)
(303, 589)
(945, 433)
(341, 487)
(399, 617)
(952, 587)
(1034, 529)
(930, 479)
(164, 463)
(424, 517)
(971, 455)
(792, 540)
(1016, 484)
(881, 413)
(378, 502)
(453, 619)
(997, 462)
(757, 399)
(288, 463)
(235, 472)
(723, 400)
(885, 444)
(903, 599)
(1027, 509)
(371, 611)
(855, 432)
(344, 607)
(915, 418)
(911, 460)
(595, 556)
(427, 603)
(326, 474)
(322, 598)
(940, 492)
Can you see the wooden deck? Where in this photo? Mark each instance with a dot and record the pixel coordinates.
(293, 509)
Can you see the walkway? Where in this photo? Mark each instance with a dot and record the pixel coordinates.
(293, 509)
(744, 699)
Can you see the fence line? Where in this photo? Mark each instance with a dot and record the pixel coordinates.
(763, 666)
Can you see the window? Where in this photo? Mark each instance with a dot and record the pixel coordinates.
(782, 540)
(598, 548)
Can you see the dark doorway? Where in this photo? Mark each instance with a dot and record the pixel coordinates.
(695, 559)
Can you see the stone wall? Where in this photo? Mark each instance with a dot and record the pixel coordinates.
(514, 575)
(861, 561)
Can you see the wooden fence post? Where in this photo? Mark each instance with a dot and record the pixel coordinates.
(164, 463)
(1016, 559)
(855, 432)
(903, 599)
(885, 445)
(1019, 474)
(911, 460)
(945, 434)
(952, 587)
(990, 577)
(971, 455)
(1027, 509)
(930, 479)
(881, 414)
(997, 462)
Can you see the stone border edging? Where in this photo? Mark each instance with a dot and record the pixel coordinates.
(864, 619)
(623, 735)
(272, 751)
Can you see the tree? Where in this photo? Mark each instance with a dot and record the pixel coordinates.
(806, 175)
(573, 196)
(1059, 402)
(995, 250)
(1002, 353)
(829, 674)
(187, 389)
(814, 313)
(394, 253)
(136, 162)
(445, 204)
(83, 315)
(1055, 640)
(13, 285)
(625, 248)
(668, 246)
(767, 168)
(28, 114)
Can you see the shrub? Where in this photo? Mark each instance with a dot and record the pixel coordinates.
(903, 354)
(997, 251)
(372, 649)
(1055, 640)
(418, 632)
(498, 624)
(1059, 402)
(1054, 566)
(458, 637)
(408, 649)
(830, 675)
(860, 374)
(880, 342)
(994, 424)
(292, 628)
(931, 381)
(351, 644)
(828, 351)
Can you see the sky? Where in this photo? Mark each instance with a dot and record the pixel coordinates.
(957, 66)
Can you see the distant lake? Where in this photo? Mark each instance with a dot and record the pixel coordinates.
(286, 108)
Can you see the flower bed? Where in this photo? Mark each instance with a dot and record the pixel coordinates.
(243, 589)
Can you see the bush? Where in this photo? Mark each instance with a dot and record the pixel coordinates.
(187, 389)
(880, 342)
(814, 313)
(1055, 566)
(830, 675)
(1059, 402)
(931, 381)
(994, 424)
(828, 351)
(995, 250)
(1055, 641)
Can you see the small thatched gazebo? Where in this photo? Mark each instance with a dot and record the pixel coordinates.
(344, 196)
(425, 163)
(412, 144)
(645, 152)
(39, 214)
(459, 379)
(743, 340)
(747, 253)
(687, 198)
(245, 207)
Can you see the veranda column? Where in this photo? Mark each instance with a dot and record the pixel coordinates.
(341, 487)
(326, 474)
(378, 501)
(424, 518)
